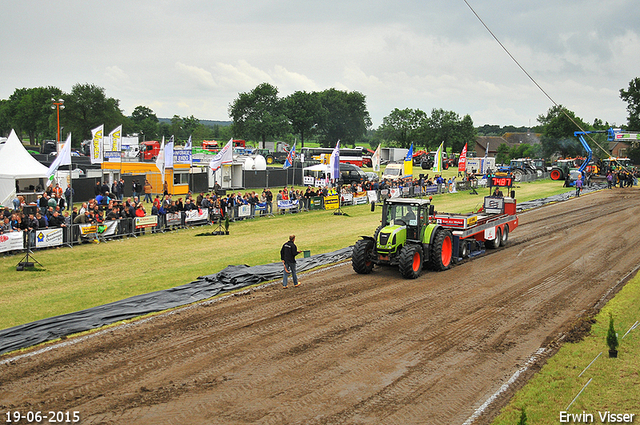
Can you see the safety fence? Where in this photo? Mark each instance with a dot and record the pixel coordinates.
(139, 226)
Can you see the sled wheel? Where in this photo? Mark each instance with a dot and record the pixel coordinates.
(494, 244)
(442, 251)
(505, 235)
(361, 260)
(411, 259)
(464, 249)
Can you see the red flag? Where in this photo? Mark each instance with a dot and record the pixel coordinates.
(462, 162)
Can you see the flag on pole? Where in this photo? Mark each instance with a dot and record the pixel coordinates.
(189, 148)
(116, 139)
(462, 162)
(63, 158)
(437, 161)
(375, 159)
(290, 157)
(168, 154)
(408, 162)
(160, 160)
(97, 145)
(334, 162)
(225, 156)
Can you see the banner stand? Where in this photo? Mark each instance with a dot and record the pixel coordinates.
(24, 263)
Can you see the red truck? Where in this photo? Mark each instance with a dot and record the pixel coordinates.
(214, 145)
(149, 150)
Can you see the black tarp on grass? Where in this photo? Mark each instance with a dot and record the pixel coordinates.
(229, 279)
(571, 193)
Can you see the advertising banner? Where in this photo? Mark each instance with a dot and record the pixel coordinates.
(309, 180)
(244, 211)
(148, 221)
(12, 241)
(360, 198)
(287, 204)
(331, 202)
(108, 228)
(182, 156)
(48, 237)
(315, 203)
(347, 198)
(197, 215)
(174, 219)
(88, 229)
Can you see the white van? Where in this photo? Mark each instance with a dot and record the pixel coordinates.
(393, 171)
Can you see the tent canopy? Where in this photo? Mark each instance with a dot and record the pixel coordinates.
(15, 164)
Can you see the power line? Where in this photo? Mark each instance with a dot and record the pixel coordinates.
(564, 111)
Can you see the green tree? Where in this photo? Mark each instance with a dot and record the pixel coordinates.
(145, 122)
(189, 126)
(502, 154)
(559, 125)
(304, 112)
(29, 111)
(345, 117)
(404, 126)
(446, 126)
(5, 123)
(259, 114)
(87, 107)
(632, 97)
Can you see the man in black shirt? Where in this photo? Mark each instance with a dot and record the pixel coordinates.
(288, 256)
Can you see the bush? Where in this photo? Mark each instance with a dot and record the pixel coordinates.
(612, 336)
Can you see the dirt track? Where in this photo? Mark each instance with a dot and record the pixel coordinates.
(345, 348)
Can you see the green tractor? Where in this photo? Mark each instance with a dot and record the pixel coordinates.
(407, 239)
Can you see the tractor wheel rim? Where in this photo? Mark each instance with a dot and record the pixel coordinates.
(446, 251)
(416, 261)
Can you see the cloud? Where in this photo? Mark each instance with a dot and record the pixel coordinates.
(200, 78)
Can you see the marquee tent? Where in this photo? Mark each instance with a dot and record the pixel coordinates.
(16, 164)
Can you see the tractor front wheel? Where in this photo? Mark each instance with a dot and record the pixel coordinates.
(442, 251)
(411, 258)
(361, 256)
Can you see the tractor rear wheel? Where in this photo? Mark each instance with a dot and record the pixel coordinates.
(517, 174)
(505, 236)
(494, 244)
(556, 174)
(361, 256)
(442, 251)
(411, 258)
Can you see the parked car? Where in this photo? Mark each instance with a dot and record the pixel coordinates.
(350, 173)
(372, 177)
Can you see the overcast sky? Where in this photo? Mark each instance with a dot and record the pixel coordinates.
(194, 57)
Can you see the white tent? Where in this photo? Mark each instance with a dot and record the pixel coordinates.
(17, 164)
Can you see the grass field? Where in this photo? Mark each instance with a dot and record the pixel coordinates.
(89, 275)
(614, 385)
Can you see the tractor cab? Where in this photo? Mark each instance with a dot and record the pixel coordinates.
(411, 214)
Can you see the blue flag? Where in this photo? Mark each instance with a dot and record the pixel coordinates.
(334, 162)
(290, 157)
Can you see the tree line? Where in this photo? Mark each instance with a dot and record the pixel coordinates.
(261, 115)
